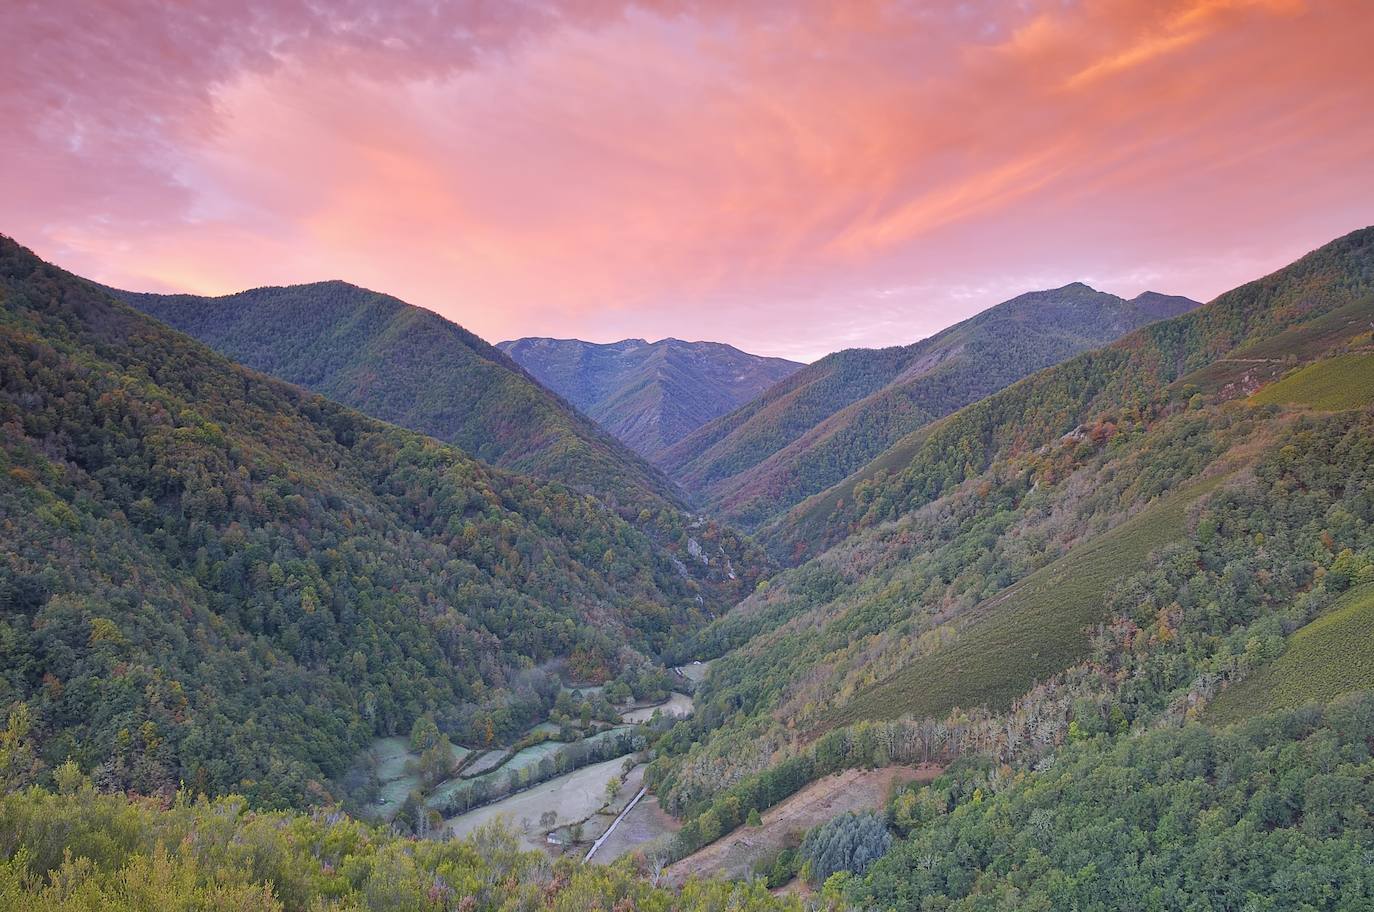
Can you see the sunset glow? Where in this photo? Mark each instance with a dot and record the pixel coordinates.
(788, 177)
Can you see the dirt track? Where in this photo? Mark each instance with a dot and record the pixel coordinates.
(851, 790)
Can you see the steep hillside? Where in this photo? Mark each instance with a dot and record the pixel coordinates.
(1274, 815)
(1328, 658)
(215, 578)
(411, 367)
(1229, 348)
(834, 416)
(1103, 544)
(649, 394)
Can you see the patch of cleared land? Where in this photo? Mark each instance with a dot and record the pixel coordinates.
(490, 771)
(851, 790)
(1331, 656)
(695, 671)
(482, 764)
(574, 797)
(1342, 382)
(392, 754)
(646, 823)
(679, 706)
(524, 759)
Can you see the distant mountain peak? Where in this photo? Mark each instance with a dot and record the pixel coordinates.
(649, 394)
(834, 415)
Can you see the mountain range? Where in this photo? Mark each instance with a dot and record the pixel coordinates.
(412, 367)
(1107, 545)
(1089, 581)
(649, 394)
(831, 417)
(212, 577)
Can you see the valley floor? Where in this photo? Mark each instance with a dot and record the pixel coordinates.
(574, 797)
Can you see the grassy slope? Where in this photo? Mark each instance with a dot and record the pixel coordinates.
(1331, 656)
(1034, 630)
(1345, 381)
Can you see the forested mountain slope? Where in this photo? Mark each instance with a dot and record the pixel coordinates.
(411, 367)
(1109, 543)
(215, 578)
(1273, 815)
(832, 417)
(649, 394)
(1226, 349)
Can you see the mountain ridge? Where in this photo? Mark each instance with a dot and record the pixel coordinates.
(831, 417)
(214, 577)
(1100, 548)
(648, 394)
(412, 367)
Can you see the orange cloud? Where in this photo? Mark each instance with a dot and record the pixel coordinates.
(785, 176)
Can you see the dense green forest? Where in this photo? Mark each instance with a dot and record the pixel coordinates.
(411, 367)
(407, 366)
(213, 578)
(833, 416)
(1274, 814)
(1123, 604)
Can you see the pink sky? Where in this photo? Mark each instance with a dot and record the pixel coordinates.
(790, 177)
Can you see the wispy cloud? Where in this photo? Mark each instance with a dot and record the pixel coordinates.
(786, 176)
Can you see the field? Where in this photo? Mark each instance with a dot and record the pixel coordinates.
(646, 823)
(677, 706)
(392, 755)
(574, 797)
(695, 671)
(1031, 630)
(1331, 656)
(1342, 382)
(493, 771)
(734, 855)
(488, 761)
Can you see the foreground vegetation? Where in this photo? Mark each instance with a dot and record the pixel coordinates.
(79, 851)
(1274, 814)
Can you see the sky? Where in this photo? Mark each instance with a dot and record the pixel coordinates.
(789, 177)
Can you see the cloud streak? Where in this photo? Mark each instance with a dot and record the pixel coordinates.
(776, 175)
